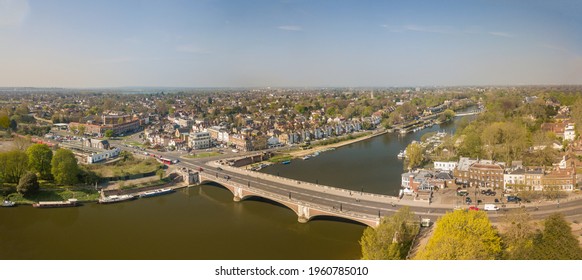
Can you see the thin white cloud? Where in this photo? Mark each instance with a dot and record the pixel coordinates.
(290, 27)
(430, 28)
(500, 34)
(13, 12)
(392, 28)
(190, 48)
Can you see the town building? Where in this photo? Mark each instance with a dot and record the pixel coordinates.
(106, 154)
(200, 140)
(462, 170)
(445, 165)
(486, 174)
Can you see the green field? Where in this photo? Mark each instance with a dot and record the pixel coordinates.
(122, 168)
(280, 158)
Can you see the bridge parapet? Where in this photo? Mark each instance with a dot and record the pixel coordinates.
(305, 211)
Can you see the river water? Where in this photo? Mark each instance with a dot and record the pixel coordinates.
(203, 222)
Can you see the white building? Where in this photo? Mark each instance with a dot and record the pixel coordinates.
(223, 136)
(513, 178)
(445, 165)
(200, 140)
(273, 141)
(106, 154)
(569, 132)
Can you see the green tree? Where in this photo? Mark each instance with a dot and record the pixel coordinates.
(463, 235)
(82, 130)
(64, 167)
(557, 242)
(4, 121)
(109, 133)
(13, 164)
(393, 237)
(518, 238)
(28, 184)
(39, 158)
(160, 173)
(414, 155)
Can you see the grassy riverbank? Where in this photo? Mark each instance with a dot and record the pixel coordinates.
(336, 142)
(50, 194)
(280, 158)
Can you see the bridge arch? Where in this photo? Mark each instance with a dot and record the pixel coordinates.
(335, 218)
(304, 213)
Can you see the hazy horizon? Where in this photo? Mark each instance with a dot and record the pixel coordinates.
(286, 44)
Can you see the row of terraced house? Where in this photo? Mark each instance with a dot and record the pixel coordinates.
(488, 174)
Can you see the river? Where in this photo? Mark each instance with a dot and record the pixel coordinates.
(203, 222)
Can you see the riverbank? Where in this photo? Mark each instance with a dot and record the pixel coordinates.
(302, 153)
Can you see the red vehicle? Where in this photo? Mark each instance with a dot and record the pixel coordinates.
(474, 208)
(166, 161)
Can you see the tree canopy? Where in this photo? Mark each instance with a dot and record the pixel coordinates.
(13, 164)
(393, 237)
(463, 235)
(556, 241)
(28, 184)
(39, 158)
(414, 155)
(64, 167)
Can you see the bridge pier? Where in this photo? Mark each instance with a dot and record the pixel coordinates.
(238, 194)
(303, 214)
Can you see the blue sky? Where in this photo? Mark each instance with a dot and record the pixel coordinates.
(54, 43)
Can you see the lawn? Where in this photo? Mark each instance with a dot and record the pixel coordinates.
(134, 143)
(280, 158)
(203, 155)
(122, 168)
(58, 194)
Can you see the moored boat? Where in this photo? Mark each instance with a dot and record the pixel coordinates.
(402, 154)
(116, 198)
(8, 203)
(72, 202)
(286, 162)
(156, 192)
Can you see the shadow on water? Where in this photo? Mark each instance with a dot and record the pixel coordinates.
(336, 219)
(266, 200)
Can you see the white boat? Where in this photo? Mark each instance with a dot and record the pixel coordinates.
(116, 198)
(156, 192)
(402, 154)
(8, 203)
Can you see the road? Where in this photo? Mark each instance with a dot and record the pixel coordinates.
(334, 200)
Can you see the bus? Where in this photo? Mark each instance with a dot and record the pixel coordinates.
(165, 161)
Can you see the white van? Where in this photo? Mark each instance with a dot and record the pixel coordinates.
(490, 207)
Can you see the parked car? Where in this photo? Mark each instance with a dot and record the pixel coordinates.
(491, 207)
(513, 199)
(473, 208)
(226, 177)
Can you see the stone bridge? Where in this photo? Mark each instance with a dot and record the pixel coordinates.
(305, 210)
